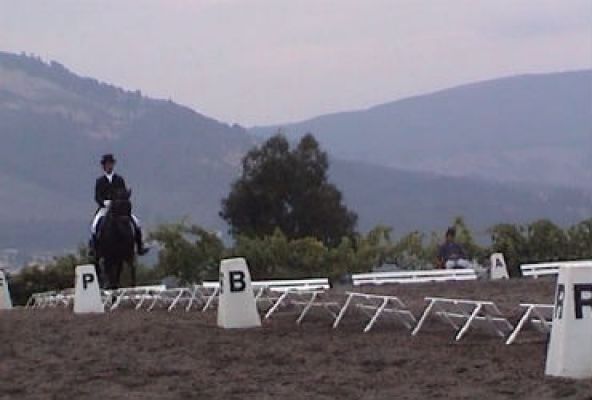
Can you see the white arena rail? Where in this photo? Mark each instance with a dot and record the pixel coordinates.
(269, 292)
(542, 269)
(303, 299)
(135, 296)
(41, 300)
(431, 275)
(263, 289)
(201, 295)
(313, 283)
(548, 268)
(539, 316)
(462, 314)
(374, 306)
(52, 299)
(206, 294)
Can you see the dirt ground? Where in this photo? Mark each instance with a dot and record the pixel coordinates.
(53, 354)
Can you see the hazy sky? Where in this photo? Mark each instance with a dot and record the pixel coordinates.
(264, 61)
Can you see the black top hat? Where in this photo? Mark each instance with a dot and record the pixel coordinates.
(107, 158)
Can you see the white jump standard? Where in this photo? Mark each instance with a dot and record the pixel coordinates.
(375, 306)
(462, 314)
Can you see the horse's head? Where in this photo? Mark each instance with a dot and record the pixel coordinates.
(122, 194)
(121, 205)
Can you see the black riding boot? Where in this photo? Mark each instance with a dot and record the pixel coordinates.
(142, 250)
(92, 246)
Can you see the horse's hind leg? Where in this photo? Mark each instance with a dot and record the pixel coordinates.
(111, 275)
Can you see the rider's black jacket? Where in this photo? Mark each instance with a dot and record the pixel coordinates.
(105, 190)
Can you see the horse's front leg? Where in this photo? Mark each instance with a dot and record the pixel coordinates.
(117, 268)
(112, 278)
(100, 273)
(132, 265)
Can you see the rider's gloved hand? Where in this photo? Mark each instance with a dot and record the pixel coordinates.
(107, 203)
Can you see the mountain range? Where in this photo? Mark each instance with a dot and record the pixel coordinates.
(54, 125)
(529, 128)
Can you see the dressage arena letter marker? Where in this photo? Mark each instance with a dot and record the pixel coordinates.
(570, 348)
(87, 294)
(237, 307)
(5, 301)
(499, 269)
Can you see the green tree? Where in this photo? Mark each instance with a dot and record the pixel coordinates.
(287, 189)
(546, 242)
(510, 240)
(373, 249)
(58, 275)
(188, 252)
(410, 253)
(267, 256)
(464, 237)
(580, 240)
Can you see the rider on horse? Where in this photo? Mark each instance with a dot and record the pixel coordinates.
(106, 187)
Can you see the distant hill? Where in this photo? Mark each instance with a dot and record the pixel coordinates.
(420, 201)
(535, 128)
(54, 125)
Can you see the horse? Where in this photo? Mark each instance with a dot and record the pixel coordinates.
(115, 243)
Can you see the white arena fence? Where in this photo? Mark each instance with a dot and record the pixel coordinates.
(549, 268)
(463, 314)
(416, 276)
(374, 306)
(539, 316)
(301, 296)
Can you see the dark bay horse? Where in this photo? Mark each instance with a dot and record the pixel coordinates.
(115, 245)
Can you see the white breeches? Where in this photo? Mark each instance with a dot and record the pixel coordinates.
(460, 263)
(100, 214)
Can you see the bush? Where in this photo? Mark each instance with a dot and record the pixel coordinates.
(188, 252)
(193, 254)
(57, 276)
